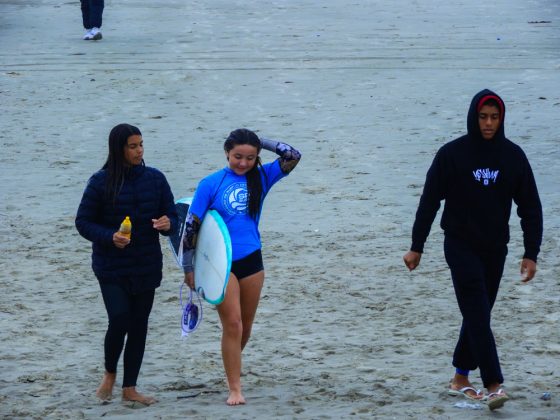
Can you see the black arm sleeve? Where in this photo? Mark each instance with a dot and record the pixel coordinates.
(289, 156)
(190, 235)
(430, 202)
(529, 210)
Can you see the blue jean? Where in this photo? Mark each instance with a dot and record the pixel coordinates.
(128, 314)
(92, 13)
(476, 278)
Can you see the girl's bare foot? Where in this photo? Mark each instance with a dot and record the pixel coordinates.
(105, 390)
(129, 394)
(235, 398)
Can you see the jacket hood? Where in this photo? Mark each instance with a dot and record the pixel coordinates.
(478, 100)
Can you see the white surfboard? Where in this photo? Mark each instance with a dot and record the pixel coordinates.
(212, 256)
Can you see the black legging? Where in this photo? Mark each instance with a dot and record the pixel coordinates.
(476, 278)
(128, 316)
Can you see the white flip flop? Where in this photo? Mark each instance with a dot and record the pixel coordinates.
(496, 399)
(463, 392)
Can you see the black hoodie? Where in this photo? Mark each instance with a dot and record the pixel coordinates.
(478, 179)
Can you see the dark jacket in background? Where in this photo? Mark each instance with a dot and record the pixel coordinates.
(478, 179)
(145, 195)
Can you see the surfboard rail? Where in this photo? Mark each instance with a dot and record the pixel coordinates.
(213, 253)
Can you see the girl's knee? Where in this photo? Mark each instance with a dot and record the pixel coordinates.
(233, 327)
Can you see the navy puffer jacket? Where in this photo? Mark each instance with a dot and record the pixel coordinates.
(145, 195)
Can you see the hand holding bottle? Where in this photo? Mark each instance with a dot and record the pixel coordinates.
(121, 238)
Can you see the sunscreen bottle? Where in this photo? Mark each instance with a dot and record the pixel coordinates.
(126, 227)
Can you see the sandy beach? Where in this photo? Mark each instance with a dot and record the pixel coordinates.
(368, 91)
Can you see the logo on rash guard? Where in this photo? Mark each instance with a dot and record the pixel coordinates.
(235, 198)
(486, 175)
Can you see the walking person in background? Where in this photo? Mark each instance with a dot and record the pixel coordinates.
(128, 267)
(479, 175)
(237, 193)
(92, 17)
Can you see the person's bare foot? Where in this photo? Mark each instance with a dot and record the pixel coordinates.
(235, 398)
(130, 395)
(105, 390)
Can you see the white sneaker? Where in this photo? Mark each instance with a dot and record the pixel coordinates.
(96, 34)
(88, 36)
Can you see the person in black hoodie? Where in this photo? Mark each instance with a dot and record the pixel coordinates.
(128, 269)
(479, 175)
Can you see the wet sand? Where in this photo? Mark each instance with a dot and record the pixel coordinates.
(368, 91)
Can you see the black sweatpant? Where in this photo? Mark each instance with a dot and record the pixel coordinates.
(476, 278)
(128, 314)
(92, 13)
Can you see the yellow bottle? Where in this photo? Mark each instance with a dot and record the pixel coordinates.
(126, 227)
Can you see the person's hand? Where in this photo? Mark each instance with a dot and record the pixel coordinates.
(412, 259)
(528, 270)
(189, 280)
(120, 240)
(163, 223)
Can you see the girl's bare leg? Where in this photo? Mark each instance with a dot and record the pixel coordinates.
(230, 316)
(237, 313)
(250, 294)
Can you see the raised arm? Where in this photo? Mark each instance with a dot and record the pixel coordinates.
(289, 157)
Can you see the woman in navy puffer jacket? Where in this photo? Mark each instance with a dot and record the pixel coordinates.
(128, 269)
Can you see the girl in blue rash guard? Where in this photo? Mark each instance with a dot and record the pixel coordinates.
(237, 192)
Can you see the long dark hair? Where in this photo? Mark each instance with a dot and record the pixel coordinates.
(116, 165)
(254, 181)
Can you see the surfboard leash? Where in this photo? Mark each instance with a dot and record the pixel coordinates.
(191, 313)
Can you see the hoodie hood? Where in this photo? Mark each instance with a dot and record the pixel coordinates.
(477, 102)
